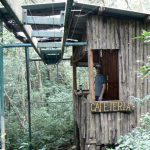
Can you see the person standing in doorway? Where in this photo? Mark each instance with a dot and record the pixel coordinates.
(100, 83)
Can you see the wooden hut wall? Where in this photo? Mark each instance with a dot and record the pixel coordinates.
(96, 129)
(111, 33)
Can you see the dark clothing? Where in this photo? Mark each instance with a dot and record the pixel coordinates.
(96, 98)
(99, 81)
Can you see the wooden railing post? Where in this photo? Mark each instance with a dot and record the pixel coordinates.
(75, 109)
(74, 77)
(91, 74)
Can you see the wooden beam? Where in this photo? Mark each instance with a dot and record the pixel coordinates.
(74, 78)
(15, 10)
(16, 45)
(66, 22)
(66, 59)
(56, 33)
(49, 44)
(75, 43)
(82, 64)
(91, 74)
(51, 51)
(48, 20)
(35, 59)
(59, 44)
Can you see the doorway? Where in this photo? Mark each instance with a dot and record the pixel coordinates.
(109, 61)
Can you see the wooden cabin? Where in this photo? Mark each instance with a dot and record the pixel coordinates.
(109, 35)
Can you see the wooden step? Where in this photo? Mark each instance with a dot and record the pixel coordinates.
(48, 20)
(49, 44)
(51, 51)
(55, 33)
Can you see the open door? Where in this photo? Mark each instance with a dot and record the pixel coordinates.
(109, 60)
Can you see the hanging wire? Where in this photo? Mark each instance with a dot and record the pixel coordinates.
(81, 16)
(53, 22)
(32, 17)
(71, 20)
(76, 22)
(88, 12)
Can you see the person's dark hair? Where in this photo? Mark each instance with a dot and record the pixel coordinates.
(98, 66)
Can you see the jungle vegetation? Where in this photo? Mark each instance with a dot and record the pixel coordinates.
(51, 96)
(51, 101)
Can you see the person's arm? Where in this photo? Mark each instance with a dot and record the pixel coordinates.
(102, 92)
(103, 87)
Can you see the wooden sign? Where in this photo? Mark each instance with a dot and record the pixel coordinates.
(111, 106)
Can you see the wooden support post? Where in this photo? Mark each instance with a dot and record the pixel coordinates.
(29, 97)
(74, 77)
(76, 129)
(91, 74)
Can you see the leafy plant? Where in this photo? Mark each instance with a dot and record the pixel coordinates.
(138, 139)
(51, 102)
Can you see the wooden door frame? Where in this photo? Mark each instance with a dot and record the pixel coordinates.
(91, 74)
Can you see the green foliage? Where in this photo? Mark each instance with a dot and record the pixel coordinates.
(144, 36)
(51, 102)
(52, 119)
(56, 127)
(139, 100)
(144, 71)
(138, 139)
(83, 78)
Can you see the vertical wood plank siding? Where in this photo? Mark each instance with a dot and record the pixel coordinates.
(109, 33)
